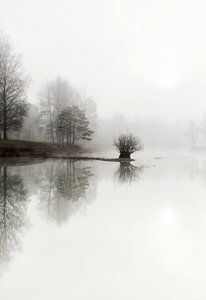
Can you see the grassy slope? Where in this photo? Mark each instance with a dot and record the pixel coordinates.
(36, 149)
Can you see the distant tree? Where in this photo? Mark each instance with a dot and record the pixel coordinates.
(55, 95)
(193, 134)
(48, 109)
(73, 125)
(90, 108)
(31, 129)
(202, 128)
(13, 106)
(127, 144)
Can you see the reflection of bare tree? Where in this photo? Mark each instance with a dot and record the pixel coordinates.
(12, 206)
(193, 168)
(127, 172)
(64, 185)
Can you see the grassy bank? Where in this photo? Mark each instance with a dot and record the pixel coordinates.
(16, 148)
(12, 149)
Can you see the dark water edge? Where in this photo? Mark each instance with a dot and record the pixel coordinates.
(29, 160)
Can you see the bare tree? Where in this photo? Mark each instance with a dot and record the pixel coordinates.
(193, 134)
(13, 106)
(32, 128)
(55, 95)
(127, 144)
(48, 110)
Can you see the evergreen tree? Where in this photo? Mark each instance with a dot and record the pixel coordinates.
(73, 125)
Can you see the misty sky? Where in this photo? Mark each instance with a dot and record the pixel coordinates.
(136, 57)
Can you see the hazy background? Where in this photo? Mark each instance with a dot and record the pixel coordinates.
(139, 58)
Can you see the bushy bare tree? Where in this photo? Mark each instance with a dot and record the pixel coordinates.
(127, 144)
(13, 106)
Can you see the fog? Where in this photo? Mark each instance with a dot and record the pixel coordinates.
(142, 63)
(137, 58)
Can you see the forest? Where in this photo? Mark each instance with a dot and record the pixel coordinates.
(61, 116)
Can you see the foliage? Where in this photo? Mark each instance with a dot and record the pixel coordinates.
(73, 125)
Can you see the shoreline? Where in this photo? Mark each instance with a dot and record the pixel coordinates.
(18, 150)
(39, 159)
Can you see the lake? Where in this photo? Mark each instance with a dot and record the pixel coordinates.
(104, 230)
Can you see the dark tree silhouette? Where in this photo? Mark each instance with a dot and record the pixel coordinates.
(13, 106)
(72, 125)
(127, 144)
(12, 209)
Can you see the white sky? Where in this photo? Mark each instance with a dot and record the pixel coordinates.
(135, 57)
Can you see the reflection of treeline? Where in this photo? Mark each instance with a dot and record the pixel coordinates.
(12, 212)
(64, 186)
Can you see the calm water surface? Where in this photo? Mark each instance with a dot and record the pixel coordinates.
(100, 230)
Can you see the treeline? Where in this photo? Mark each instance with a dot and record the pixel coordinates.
(65, 116)
(62, 115)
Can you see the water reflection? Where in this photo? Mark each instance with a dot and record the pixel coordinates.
(138, 243)
(128, 173)
(59, 187)
(196, 168)
(12, 213)
(64, 186)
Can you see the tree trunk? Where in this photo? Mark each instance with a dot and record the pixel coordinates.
(51, 122)
(5, 120)
(67, 137)
(124, 155)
